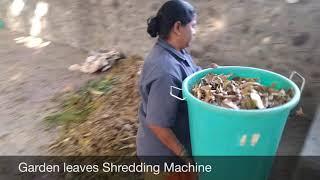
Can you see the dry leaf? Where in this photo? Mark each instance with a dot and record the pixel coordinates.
(257, 99)
(239, 93)
(230, 104)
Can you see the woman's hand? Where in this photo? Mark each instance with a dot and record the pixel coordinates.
(213, 65)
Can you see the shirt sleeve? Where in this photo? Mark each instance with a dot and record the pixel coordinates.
(162, 108)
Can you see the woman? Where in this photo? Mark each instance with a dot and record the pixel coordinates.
(164, 125)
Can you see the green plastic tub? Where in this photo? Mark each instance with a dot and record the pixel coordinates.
(1, 24)
(221, 132)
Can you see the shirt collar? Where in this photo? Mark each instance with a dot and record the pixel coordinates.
(164, 44)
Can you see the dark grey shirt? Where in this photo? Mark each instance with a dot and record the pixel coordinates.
(163, 67)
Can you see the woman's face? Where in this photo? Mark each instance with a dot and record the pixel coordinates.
(188, 32)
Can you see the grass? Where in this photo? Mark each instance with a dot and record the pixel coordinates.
(75, 107)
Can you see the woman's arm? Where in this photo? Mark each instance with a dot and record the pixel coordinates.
(169, 139)
(162, 110)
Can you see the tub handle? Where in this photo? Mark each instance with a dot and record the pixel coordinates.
(171, 93)
(301, 77)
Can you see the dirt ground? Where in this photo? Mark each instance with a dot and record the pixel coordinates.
(29, 79)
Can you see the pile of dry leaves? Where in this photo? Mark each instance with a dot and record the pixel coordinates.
(112, 128)
(239, 93)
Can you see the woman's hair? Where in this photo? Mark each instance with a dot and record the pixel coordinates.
(170, 12)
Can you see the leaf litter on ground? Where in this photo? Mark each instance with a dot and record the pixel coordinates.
(110, 128)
